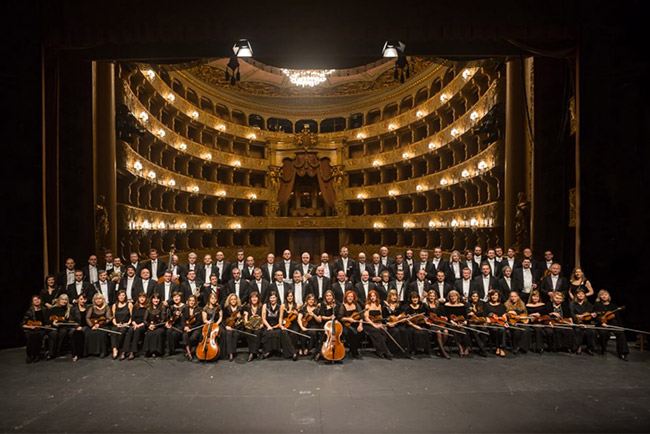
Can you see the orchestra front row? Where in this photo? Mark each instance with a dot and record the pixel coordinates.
(399, 306)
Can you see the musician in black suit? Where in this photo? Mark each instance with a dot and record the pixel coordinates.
(222, 268)
(359, 267)
(127, 283)
(329, 269)
(156, 266)
(166, 288)
(363, 287)
(400, 283)
(78, 287)
(191, 285)
(237, 286)
(206, 270)
(385, 260)
(268, 269)
(108, 262)
(506, 282)
(420, 284)
(288, 266)
(192, 264)
(67, 276)
(240, 262)
(483, 283)
(249, 268)
(469, 263)
(134, 259)
(306, 268)
(144, 284)
(259, 284)
(399, 264)
(454, 267)
(534, 265)
(495, 266)
(478, 256)
(510, 260)
(384, 285)
(344, 263)
(441, 286)
(340, 286)
(377, 268)
(524, 279)
(555, 282)
(424, 264)
(212, 286)
(464, 284)
(409, 260)
(103, 286)
(318, 284)
(279, 286)
(439, 263)
(91, 271)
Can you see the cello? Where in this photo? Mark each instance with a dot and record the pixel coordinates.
(333, 349)
(208, 348)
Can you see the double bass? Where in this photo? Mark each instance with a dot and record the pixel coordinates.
(208, 348)
(333, 349)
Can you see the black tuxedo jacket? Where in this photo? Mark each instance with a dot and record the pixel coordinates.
(183, 269)
(281, 266)
(112, 291)
(338, 265)
(405, 268)
(562, 286)
(428, 267)
(204, 276)
(383, 289)
(450, 274)
(311, 269)
(331, 268)
(389, 261)
(86, 289)
(265, 272)
(356, 273)
(247, 274)
(244, 290)
(496, 270)
(377, 269)
(458, 286)
(477, 285)
(305, 290)
(207, 290)
(446, 287)
(313, 286)
(160, 270)
(404, 290)
(138, 287)
(476, 269)
(160, 289)
(263, 291)
(361, 294)
(62, 279)
(515, 264)
(86, 271)
(186, 289)
(413, 287)
(274, 287)
(505, 289)
(442, 265)
(226, 271)
(339, 290)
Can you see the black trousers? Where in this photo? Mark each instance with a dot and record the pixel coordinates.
(56, 339)
(378, 338)
(133, 339)
(173, 338)
(78, 344)
(353, 338)
(587, 336)
(192, 338)
(520, 338)
(498, 337)
(400, 334)
(34, 342)
(621, 341)
(478, 338)
(541, 336)
(254, 342)
(289, 343)
(117, 341)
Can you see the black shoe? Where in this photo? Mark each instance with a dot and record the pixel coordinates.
(294, 357)
(388, 356)
(623, 357)
(316, 357)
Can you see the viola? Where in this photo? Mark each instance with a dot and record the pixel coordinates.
(581, 318)
(376, 318)
(495, 319)
(457, 318)
(289, 319)
(191, 321)
(333, 349)
(57, 318)
(208, 347)
(479, 320)
(434, 319)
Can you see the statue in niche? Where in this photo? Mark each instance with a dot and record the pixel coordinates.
(102, 224)
(305, 139)
(522, 222)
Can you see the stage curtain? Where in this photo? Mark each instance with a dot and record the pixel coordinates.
(306, 165)
(325, 182)
(287, 179)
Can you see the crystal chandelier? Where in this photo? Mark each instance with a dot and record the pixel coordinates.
(307, 77)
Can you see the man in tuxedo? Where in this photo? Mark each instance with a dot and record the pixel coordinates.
(67, 276)
(259, 284)
(420, 284)
(191, 265)
(548, 262)
(341, 285)
(238, 286)
(247, 272)
(483, 283)
(91, 271)
(359, 268)
(528, 254)
(510, 260)
(213, 287)
(190, 285)
(439, 263)
(424, 264)
(206, 270)
(478, 256)
(454, 268)
(78, 287)
(464, 284)
(222, 268)
(363, 287)
(385, 260)
(384, 284)
(498, 251)
(288, 266)
(400, 283)
(524, 279)
(495, 267)
(506, 282)
(104, 287)
(300, 288)
(555, 282)
(306, 269)
(155, 266)
(118, 270)
(268, 269)
(241, 262)
(474, 268)
(145, 284)
(319, 283)
(441, 286)
(108, 262)
(329, 270)
(175, 268)
(409, 260)
(134, 259)
(279, 285)
(344, 263)
(377, 268)
(166, 288)
(127, 282)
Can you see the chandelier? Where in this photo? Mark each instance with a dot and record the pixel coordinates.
(307, 77)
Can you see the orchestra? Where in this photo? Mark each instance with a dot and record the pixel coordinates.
(475, 302)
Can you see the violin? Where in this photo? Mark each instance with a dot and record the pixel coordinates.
(234, 320)
(173, 318)
(306, 318)
(333, 349)
(479, 320)
(514, 319)
(495, 319)
(289, 319)
(376, 318)
(208, 347)
(356, 316)
(434, 319)
(57, 318)
(581, 318)
(38, 324)
(100, 320)
(609, 315)
(457, 318)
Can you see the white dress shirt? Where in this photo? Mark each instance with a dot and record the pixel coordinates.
(92, 273)
(129, 287)
(69, 277)
(528, 281)
(154, 269)
(298, 293)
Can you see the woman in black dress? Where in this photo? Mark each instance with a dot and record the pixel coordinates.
(603, 305)
(540, 335)
(234, 319)
(373, 325)
(192, 322)
(309, 315)
(33, 322)
(580, 307)
(289, 309)
(121, 323)
(78, 315)
(59, 317)
(579, 281)
(419, 339)
(253, 323)
(135, 333)
(50, 292)
(398, 330)
(475, 310)
(352, 332)
(495, 309)
(563, 337)
(272, 337)
(327, 311)
(432, 306)
(154, 319)
(173, 326)
(213, 312)
(456, 313)
(519, 336)
(98, 319)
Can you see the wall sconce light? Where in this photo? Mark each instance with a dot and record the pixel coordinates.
(419, 114)
(361, 196)
(221, 127)
(149, 73)
(419, 188)
(171, 97)
(444, 182)
(465, 173)
(208, 156)
(195, 189)
(221, 193)
(144, 117)
(171, 183)
(236, 226)
(146, 225)
(161, 133)
(482, 165)
(151, 174)
(137, 166)
(466, 74)
(252, 196)
(208, 225)
(432, 225)
(183, 226)
(252, 136)
(444, 98)
(376, 163)
(455, 132)
(432, 145)
(406, 155)
(236, 163)
(392, 192)
(361, 136)
(473, 116)
(183, 146)
(407, 226)
(392, 127)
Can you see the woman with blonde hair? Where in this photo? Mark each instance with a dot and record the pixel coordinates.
(605, 305)
(60, 313)
(579, 280)
(519, 336)
(232, 313)
(98, 316)
(373, 325)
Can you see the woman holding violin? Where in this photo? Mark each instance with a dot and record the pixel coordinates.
(78, 315)
(559, 312)
(154, 319)
(350, 314)
(253, 323)
(33, 322)
(308, 320)
(121, 323)
(98, 319)
(50, 292)
(418, 331)
(135, 333)
(537, 309)
(191, 323)
(456, 313)
(233, 318)
(272, 336)
(173, 324)
(497, 311)
(477, 317)
(434, 308)
(608, 314)
(519, 336)
(396, 322)
(327, 311)
(289, 321)
(581, 312)
(58, 317)
(374, 325)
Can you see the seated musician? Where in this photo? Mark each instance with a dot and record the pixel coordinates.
(308, 320)
(98, 318)
(350, 314)
(495, 308)
(174, 313)
(558, 310)
(272, 337)
(154, 318)
(419, 339)
(605, 305)
(580, 310)
(253, 323)
(374, 327)
(121, 323)
(289, 309)
(519, 336)
(456, 312)
(392, 308)
(233, 318)
(191, 321)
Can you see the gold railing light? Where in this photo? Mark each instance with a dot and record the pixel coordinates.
(376, 163)
(149, 73)
(419, 114)
(171, 97)
(151, 174)
(444, 97)
(171, 183)
(432, 224)
(482, 165)
(221, 128)
(208, 156)
(183, 225)
(194, 115)
(361, 196)
(144, 117)
(236, 226)
(137, 165)
(466, 73)
(252, 136)
(208, 225)
(195, 188)
(432, 145)
(465, 173)
(455, 132)
(474, 116)
(161, 225)
(454, 223)
(393, 192)
(360, 136)
(161, 133)
(392, 127)
(419, 187)
(473, 222)
(406, 155)
(221, 193)
(146, 224)
(377, 225)
(183, 147)
(236, 163)
(444, 182)
(252, 196)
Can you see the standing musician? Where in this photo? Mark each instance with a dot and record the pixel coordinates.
(272, 336)
(432, 305)
(308, 319)
(78, 315)
(78, 286)
(555, 283)
(50, 292)
(420, 284)
(299, 288)
(559, 311)
(191, 319)
(464, 284)
(127, 283)
(166, 288)
(327, 311)
(374, 327)
(579, 280)
(344, 263)
(211, 287)
(289, 309)
(399, 331)
(173, 326)
(154, 318)
(418, 332)
(253, 323)
(349, 312)
(442, 288)
(476, 308)
(494, 308)
(233, 318)
(98, 316)
(519, 337)
(602, 306)
(580, 310)
(191, 286)
(454, 267)
(121, 312)
(259, 284)
(212, 310)
(340, 286)
(536, 309)
(238, 286)
(455, 307)
(135, 333)
(60, 313)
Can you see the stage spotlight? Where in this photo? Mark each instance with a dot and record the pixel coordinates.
(242, 48)
(393, 49)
